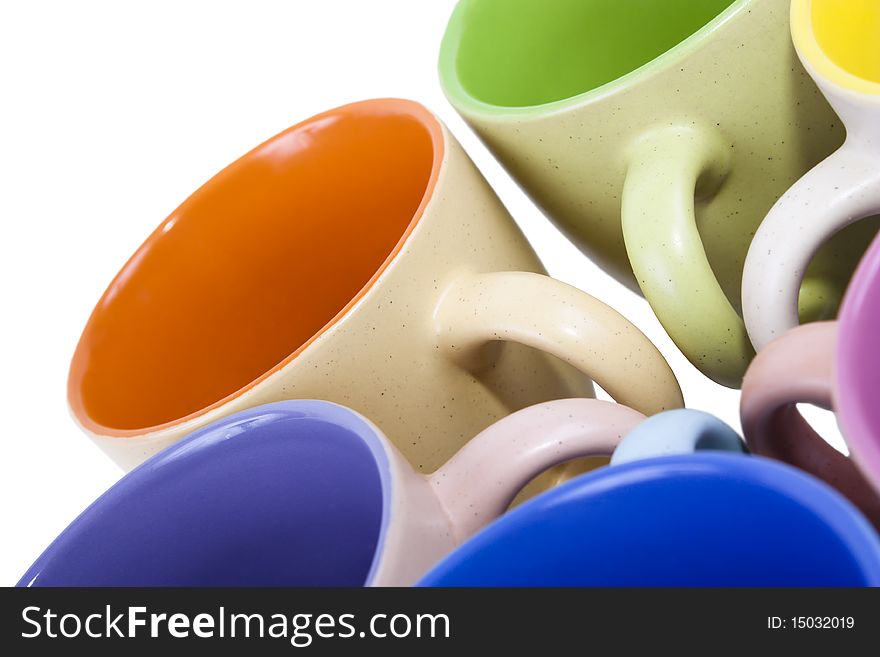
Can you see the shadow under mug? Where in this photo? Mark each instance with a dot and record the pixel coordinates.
(708, 519)
(657, 136)
(357, 257)
(310, 493)
(838, 43)
(835, 365)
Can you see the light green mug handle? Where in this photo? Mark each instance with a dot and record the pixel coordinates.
(669, 169)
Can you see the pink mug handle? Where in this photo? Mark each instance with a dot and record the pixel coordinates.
(481, 480)
(798, 368)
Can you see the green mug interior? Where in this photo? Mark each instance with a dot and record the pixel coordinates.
(520, 53)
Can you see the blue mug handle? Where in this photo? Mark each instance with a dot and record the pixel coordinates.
(679, 431)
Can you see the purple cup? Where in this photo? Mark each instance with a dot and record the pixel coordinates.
(310, 493)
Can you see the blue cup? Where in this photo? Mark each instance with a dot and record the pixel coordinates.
(678, 431)
(707, 519)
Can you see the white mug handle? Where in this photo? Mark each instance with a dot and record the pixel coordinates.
(837, 192)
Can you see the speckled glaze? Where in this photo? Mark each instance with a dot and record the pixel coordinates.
(679, 431)
(335, 504)
(834, 365)
(798, 367)
(439, 344)
(842, 189)
(434, 514)
(728, 111)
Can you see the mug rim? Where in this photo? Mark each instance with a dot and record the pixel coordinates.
(678, 431)
(79, 360)
(829, 507)
(856, 423)
(816, 60)
(463, 99)
(149, 474)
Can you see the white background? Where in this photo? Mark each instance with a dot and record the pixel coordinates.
(111, 114)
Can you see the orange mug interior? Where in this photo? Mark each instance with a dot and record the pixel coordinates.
(254, 265)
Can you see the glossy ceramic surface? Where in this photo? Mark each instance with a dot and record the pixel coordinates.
(656, 136)
(310, 268)
(838, 45)
(680, 431)
(696, 520)
(309, 493)
(291, 494)
(833, 365)
(840, 40)
(857, 373)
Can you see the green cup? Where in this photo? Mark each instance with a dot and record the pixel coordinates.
(656, 134)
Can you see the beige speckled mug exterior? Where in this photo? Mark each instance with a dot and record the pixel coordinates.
(726, 115)
(459, 327)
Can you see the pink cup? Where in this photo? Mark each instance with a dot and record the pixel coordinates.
(835, 365)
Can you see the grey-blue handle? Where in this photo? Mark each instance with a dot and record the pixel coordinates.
(680, 431)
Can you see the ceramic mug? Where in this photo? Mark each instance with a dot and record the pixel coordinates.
(310, 493)
(839, 45)
(656, 135)
(357, 257)
(834, 365)
(708, 519)
(680, 431)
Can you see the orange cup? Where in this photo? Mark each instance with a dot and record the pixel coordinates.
(360, 258)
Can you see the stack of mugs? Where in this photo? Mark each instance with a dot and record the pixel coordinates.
(340, 363)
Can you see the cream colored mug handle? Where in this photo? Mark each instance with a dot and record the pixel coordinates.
(837, 192)
(546, 314)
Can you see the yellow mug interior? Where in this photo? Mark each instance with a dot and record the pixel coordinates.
(841, 40)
